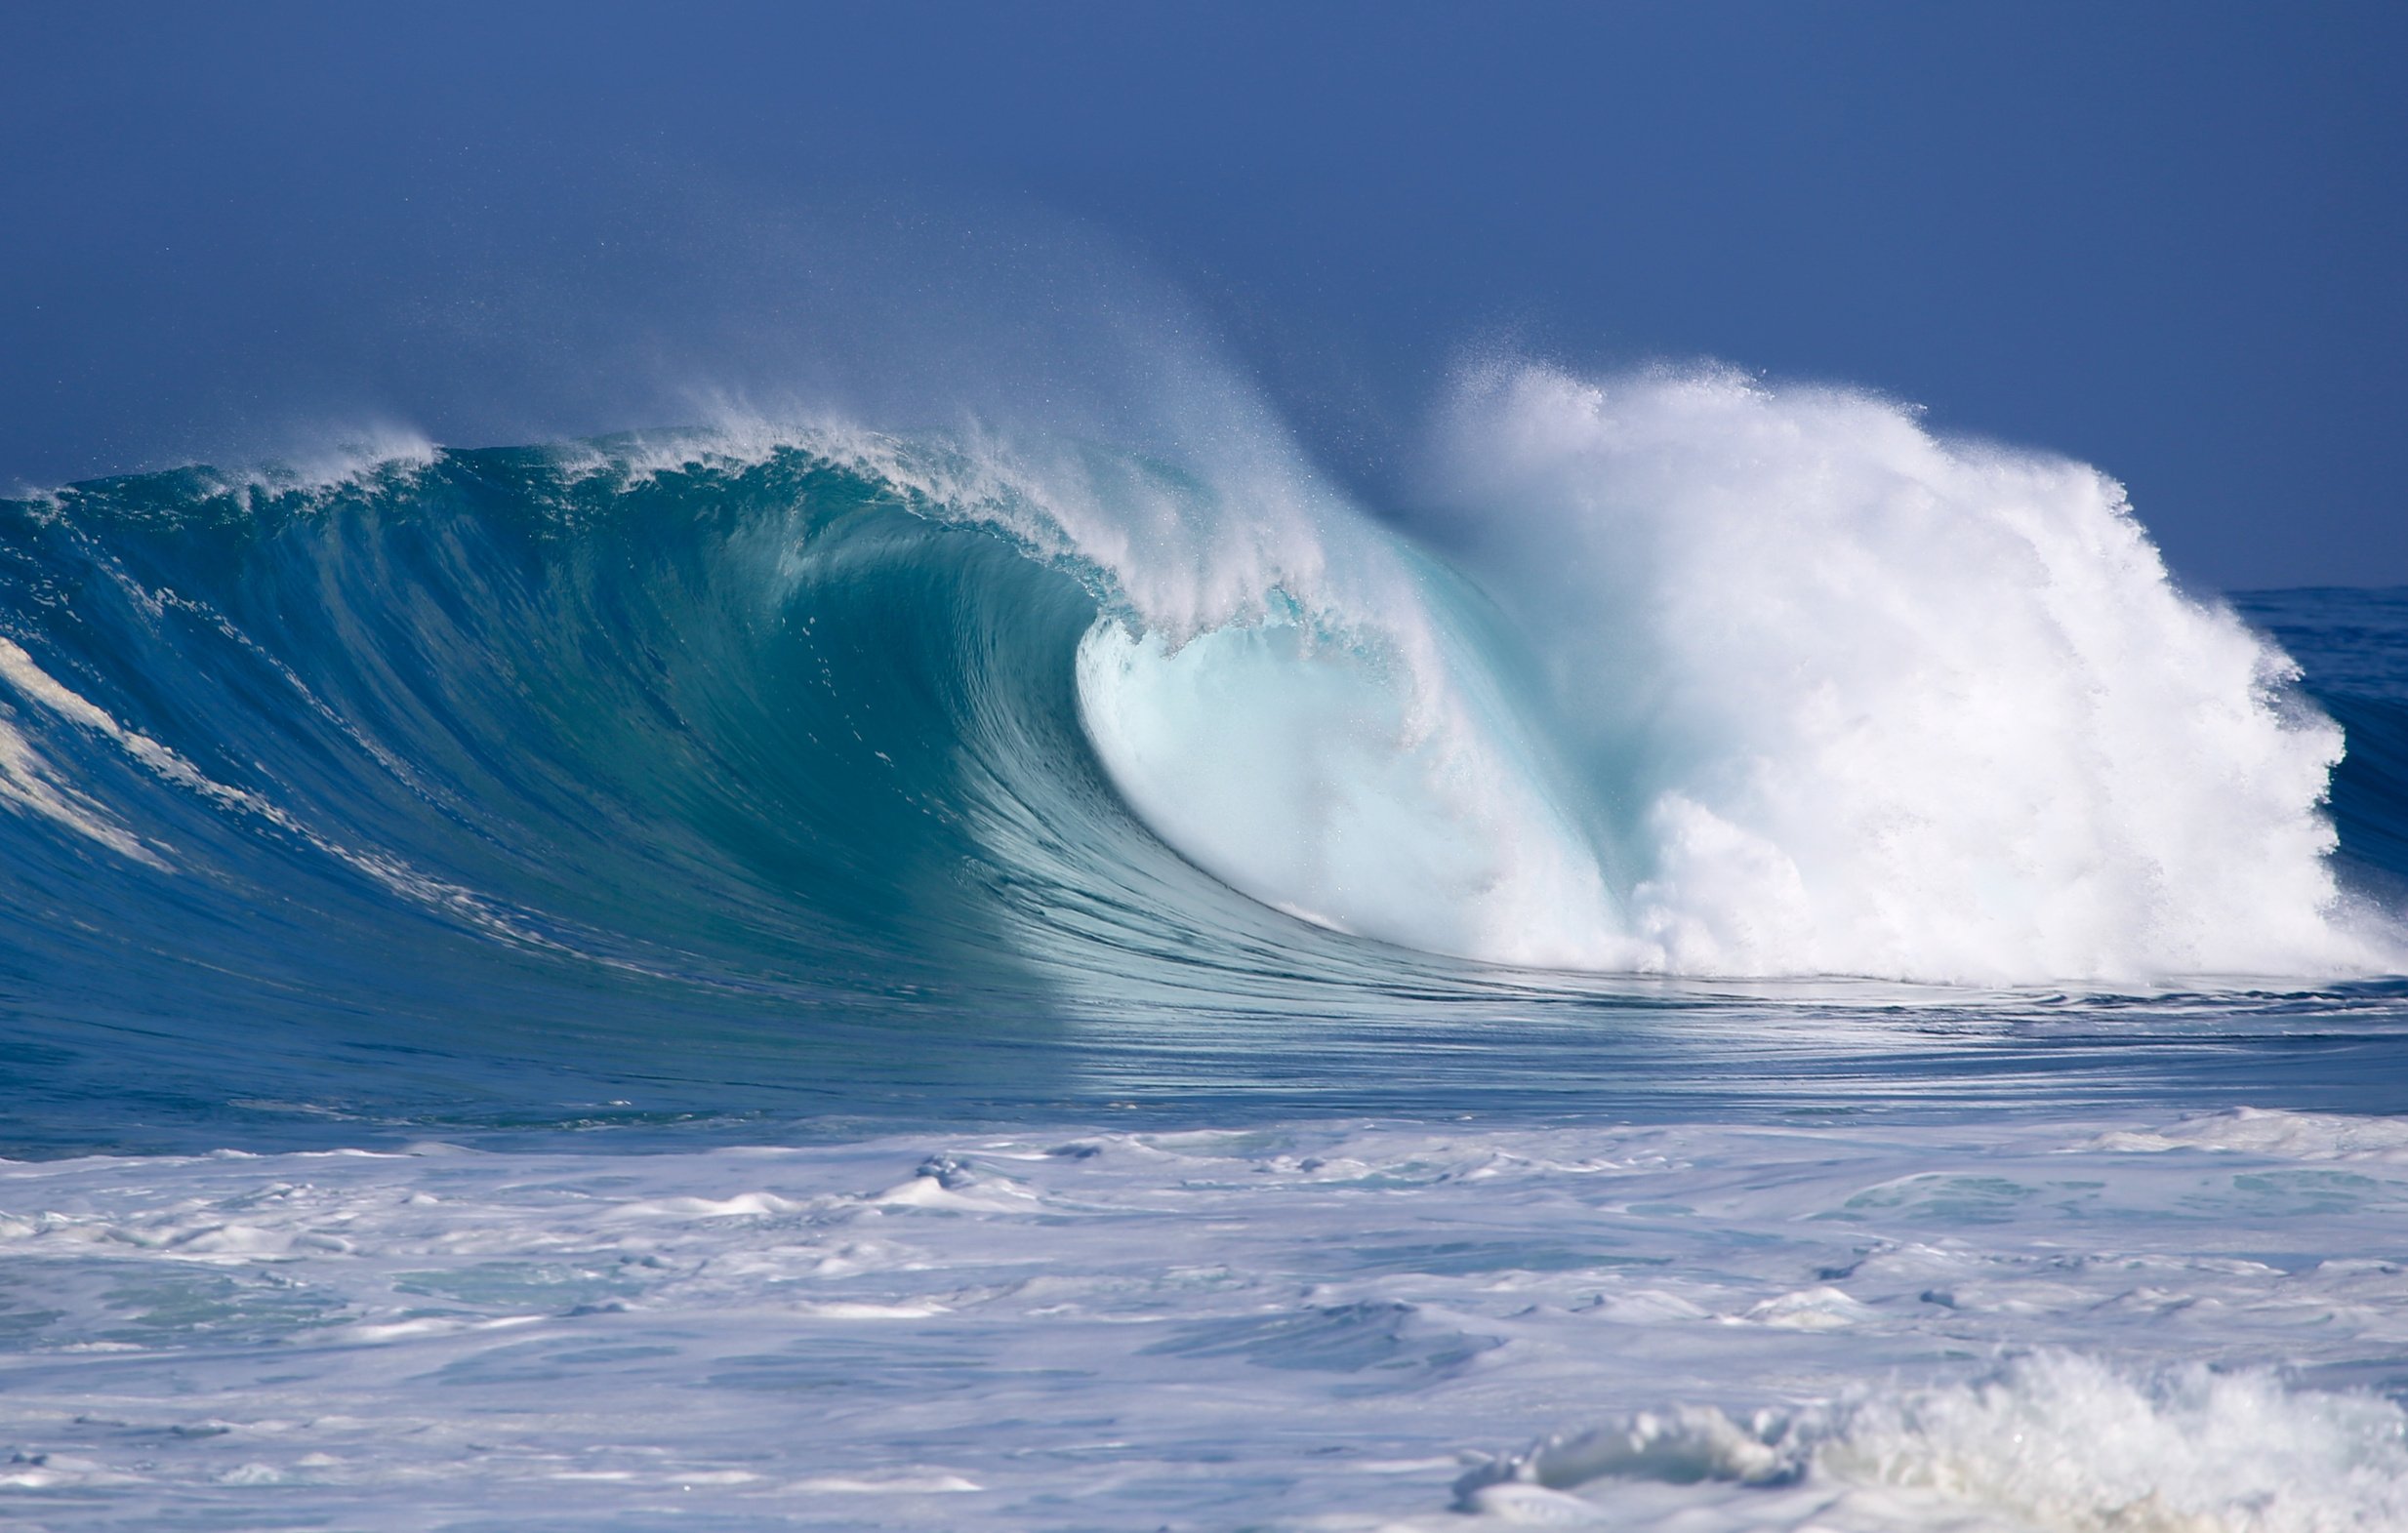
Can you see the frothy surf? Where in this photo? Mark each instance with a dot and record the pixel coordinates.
(2054, 1441)
(2011, 1328)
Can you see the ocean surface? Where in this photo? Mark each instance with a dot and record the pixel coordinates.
(1739, 964)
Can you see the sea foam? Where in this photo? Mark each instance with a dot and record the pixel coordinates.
(2055, 1440)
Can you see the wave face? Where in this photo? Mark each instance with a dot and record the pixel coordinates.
(1677, 675)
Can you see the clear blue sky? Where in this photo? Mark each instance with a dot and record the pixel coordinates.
(2168, 238)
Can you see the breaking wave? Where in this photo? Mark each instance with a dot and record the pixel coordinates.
(1675, 673)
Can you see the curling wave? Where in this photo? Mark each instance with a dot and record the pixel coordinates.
(1672, 675)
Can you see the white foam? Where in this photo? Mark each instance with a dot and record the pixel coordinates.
(2056, 1441)
(2064, 1441)
(1308, 1321)
(1858, 699)
(2268, 1131)
(30, 784)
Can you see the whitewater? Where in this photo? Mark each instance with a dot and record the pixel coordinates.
(1727, 961)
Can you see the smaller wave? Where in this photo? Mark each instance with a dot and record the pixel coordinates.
(2055, 1440)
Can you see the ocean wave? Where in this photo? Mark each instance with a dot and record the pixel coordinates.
(1703, 678)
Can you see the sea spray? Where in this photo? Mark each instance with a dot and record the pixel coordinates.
(1853, 698)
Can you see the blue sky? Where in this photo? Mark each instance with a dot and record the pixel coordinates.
(2169, 239)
